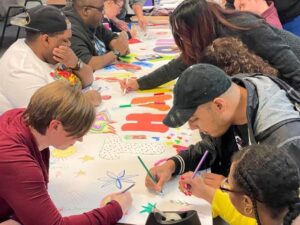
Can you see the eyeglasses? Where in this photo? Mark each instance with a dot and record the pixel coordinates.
(225, 187)
(99, 9)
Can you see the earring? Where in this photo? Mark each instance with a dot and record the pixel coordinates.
(248, 210)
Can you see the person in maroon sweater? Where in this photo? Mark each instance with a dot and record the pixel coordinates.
(58, 115)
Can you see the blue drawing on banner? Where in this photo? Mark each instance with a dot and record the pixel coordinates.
(117, 180)
(143, 64)
(109, 68)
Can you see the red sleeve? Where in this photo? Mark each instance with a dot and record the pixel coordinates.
(23, 187)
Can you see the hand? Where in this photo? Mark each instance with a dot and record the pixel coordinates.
(65, 55)
(10, 222)
(162, 174)
(124, 199)
(133, 31)
(130, 85)
(196, 187)
(143, 23)
(122, 25)
(121, 43)
(212, 179)
(94, 96)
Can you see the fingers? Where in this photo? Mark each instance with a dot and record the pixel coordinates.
(132, 85)
(184, 187)
(212, 179)
(124, 26)
(94, 97)
(105, 200)
(64, 54)
(149, 183)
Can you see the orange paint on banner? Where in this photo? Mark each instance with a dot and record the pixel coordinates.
(145, 122)
(160, 107)
(155, 98)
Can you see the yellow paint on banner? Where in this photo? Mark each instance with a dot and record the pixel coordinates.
(61, 154)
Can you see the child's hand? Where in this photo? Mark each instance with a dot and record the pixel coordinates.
(212, 179)
(196, 187)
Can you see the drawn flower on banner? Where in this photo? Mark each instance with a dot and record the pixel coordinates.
(66, 74)
(117, 180)
(102, 124)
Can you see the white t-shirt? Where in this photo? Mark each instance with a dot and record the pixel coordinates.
(21, 74)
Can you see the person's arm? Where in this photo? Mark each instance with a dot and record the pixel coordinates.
(120, 44)
(66, 56)
(98, 62)
(122, 25)
(188, 160)
(162, 75)
(138, 10)
(185, 161)
(23, 187)
(137, 6)
(268, 43)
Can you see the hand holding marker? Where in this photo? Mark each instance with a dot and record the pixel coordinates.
(187, 186)
(148, 172)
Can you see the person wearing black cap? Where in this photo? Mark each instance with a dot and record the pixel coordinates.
(91, 41)
(44, 56)
(229, 114)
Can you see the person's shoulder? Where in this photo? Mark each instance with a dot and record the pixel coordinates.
(16, 55)
(245, 19)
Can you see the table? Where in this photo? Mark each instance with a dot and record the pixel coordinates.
(126, 126)
(57, 3)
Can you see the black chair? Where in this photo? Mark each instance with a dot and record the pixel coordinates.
(11, 12)
(39, 1)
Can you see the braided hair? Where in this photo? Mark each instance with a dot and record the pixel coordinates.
(260, 167)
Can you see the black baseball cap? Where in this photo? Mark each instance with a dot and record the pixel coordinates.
(197, 85)
(44, 19)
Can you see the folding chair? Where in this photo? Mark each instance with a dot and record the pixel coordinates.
(10, 13)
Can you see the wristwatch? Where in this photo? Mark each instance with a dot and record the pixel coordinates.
(79, 65)
(116, 53)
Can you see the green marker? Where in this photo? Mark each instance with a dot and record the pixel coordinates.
(125, 106)
(147, 170)
(149, 173)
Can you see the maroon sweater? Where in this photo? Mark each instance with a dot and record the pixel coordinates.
(24, 178)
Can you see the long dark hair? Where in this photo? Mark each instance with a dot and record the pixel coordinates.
(196, 23)
(269, 175)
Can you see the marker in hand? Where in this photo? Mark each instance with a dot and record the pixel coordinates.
(125, 89)
(187, 186)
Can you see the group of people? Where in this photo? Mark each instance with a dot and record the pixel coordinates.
(238, 83)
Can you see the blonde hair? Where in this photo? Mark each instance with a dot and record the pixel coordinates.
(60, 101)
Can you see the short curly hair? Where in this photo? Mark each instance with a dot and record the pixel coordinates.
(233, 56)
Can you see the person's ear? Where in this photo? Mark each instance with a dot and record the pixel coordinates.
(85, 11)
(247, 205)
(44, 38)
(219, 104)
(54, 125)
